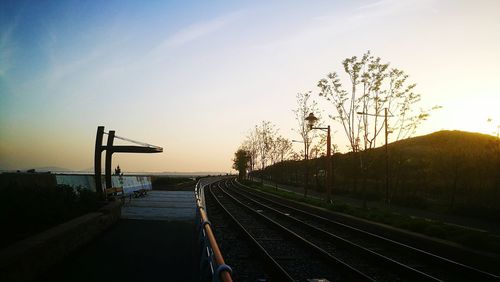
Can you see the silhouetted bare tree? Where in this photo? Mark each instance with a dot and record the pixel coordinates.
(360, 105)
(305, 106)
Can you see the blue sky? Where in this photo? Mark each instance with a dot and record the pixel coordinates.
(194, 77)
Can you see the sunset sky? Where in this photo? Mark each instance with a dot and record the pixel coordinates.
(195, 77)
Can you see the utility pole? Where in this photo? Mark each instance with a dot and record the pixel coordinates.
(306, 159)
(311, 119)
(329, 166)
(386, 115)
(387, 201)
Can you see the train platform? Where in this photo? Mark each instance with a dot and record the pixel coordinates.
(161, 205)
(154, 240)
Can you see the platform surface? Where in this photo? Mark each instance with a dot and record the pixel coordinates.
(161, 205)
(134, 250)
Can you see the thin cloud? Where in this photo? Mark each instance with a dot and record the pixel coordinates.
(386, 7)
(63, 66)
(378, 4)
(7, 47)
(163, 49)
(335, 23)
(194, 32)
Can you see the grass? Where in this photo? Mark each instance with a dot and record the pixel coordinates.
(466, 237)
(168, 180)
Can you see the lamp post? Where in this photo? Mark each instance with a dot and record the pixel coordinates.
(311, 119)
(386, 150)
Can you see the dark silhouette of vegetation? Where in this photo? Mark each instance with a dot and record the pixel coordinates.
(240, 163)
(27, 210)
(447, 171)
(264, 147)
(304, 107)
(457, 234)
(372, 90)
(169, 180)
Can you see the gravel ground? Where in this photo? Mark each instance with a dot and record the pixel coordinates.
(398, 253)
(300, 262)
(236, 250)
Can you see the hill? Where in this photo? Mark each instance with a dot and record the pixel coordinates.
(446, 141)
(448, 170)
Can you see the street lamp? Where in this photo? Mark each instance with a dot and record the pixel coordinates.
(311, 119)
(386, 150)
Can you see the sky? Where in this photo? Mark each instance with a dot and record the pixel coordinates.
(194, 77)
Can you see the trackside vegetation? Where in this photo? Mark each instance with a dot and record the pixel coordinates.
(450, 172)
(466, 237)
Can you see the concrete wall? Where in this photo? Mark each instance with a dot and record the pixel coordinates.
(129, 183)
(132, 183)
(76, 180)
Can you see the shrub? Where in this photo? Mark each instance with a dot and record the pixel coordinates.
(25, 210)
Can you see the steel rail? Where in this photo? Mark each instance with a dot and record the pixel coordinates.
(276, 271)
(464, 269)
(324, 254)
(411, 273)
(223, 271)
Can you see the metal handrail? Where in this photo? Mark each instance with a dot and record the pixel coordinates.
(222, 271)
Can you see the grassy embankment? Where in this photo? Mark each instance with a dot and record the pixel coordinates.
(25, 211)
(452, 172)
(467, 237)
(172, 183)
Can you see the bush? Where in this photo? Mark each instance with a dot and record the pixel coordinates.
(26, 210)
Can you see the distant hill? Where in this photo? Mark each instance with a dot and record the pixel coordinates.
(52, 168)
(437, 148)
(445, 141)
(454, 170)
(41, 169)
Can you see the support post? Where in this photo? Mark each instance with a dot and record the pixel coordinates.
(97, 159)
(306, 160)
(329, 166)
(109, 154)
(386, 160)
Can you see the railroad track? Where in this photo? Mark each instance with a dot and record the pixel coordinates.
(246, 263)
(288, 255)
(375, 256)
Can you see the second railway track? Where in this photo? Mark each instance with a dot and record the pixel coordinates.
(346, 253)
(298, 258)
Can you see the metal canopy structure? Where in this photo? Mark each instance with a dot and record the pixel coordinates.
(110, 149)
